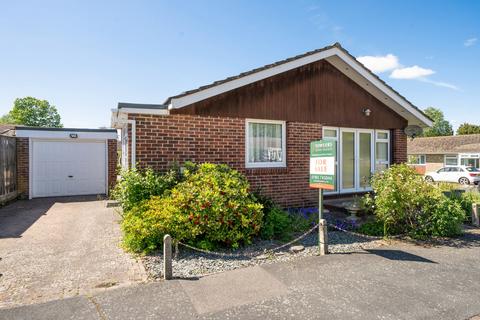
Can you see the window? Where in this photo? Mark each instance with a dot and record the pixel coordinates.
(451, 160)
(265, 144)
(417, 159)
(382, 150)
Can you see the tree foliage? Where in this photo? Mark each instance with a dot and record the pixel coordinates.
(440, 127)
(467, 128)
(33, 112)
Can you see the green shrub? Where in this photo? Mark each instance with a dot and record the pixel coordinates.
(372, 228)
(467, 199)
(211, 207)
(406, 204)
(277, 224)
(137, 185)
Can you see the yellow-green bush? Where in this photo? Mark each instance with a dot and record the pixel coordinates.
(406, 204)
(212, 206)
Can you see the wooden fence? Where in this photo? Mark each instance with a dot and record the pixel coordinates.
(8, 168)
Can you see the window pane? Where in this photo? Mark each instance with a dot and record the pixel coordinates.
(329, 133)
(348, 160)
(382, 135)
(451, 161)
(365, 166)
(382, 151)
(265, 142)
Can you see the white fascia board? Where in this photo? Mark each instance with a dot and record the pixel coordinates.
(234, 84)
(45, 134)
(162, 112)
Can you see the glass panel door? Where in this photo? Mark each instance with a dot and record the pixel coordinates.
(348, 160)
(364, 159)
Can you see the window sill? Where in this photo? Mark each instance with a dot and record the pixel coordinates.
(266, 170)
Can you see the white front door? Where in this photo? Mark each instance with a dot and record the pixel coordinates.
(356, 159)
(66, 167)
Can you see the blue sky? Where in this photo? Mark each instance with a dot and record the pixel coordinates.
(86, 56)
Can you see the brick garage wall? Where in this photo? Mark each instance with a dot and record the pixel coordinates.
(22, 167)
(112, 163)
(163, 140)
(399, 146)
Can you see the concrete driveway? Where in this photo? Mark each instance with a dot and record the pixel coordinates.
(61, 247)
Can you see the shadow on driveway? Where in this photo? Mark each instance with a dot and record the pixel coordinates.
(398, 255)
(18, 216)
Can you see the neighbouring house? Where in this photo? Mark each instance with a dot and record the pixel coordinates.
(432, 153)
(261, 123)
(63, 161)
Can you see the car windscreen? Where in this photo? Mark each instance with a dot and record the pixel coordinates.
(472, 169)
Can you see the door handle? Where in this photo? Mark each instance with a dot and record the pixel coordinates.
(70, 176)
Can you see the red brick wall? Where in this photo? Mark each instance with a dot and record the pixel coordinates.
(163, 140)
(112, 163)
(22, 167)
(399, 148)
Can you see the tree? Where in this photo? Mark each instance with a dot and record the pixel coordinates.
(440, 127)
(33, 112)
(467, 128)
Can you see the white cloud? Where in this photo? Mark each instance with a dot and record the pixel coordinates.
(470, 42)
(414, 72)
(379, 64)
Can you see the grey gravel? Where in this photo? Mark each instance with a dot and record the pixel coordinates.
(191, 264)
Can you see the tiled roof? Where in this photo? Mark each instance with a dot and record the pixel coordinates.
(268, 66)
(443, 145)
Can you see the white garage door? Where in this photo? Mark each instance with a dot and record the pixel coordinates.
(64, 168)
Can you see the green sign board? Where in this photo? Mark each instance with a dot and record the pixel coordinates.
(322, 164)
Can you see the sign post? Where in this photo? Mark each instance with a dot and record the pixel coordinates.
(323, 155)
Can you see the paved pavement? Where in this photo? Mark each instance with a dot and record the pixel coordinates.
(60, 247)
(400, 281)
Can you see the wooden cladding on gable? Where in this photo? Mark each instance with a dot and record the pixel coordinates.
(317, 92)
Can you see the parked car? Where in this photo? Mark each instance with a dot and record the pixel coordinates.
(460, 174)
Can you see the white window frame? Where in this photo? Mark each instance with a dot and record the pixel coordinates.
(451, 156)
(281, 164)
(375, 139)
(388, 162)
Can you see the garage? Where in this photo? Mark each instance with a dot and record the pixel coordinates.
(68, 162)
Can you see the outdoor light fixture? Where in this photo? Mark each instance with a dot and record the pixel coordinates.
(367, 112)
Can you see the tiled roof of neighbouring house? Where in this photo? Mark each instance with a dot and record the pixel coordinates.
(442, 145)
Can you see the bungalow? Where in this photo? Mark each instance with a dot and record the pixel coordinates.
(432, 153)
(262, 121)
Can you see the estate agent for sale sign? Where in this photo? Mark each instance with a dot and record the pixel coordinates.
(322, 164)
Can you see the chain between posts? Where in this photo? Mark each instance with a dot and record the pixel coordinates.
(253, 254)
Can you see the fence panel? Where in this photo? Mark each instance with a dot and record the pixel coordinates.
(8, 168)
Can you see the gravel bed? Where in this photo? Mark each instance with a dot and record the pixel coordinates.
(191, 263)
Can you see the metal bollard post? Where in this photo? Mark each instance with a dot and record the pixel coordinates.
(322, 237)
(475, 215)
(167, 257)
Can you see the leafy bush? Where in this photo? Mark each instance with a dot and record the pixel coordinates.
(405, 203)
(372, 228)
(211, 207)
(137, 185)
(277, 224)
